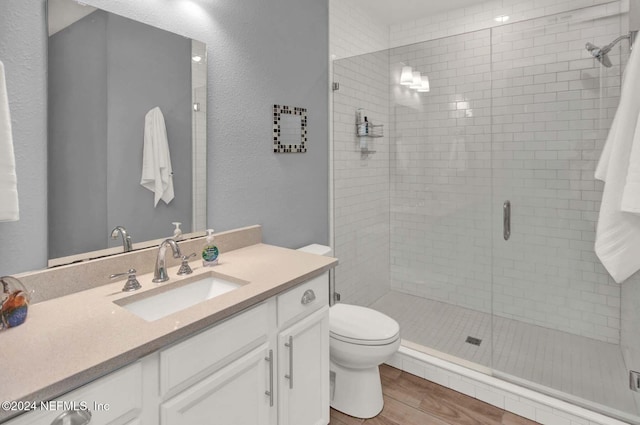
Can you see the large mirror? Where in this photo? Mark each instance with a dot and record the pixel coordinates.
(127, 132)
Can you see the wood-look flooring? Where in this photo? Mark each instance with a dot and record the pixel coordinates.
(410, 400)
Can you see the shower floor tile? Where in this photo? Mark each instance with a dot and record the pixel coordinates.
(583, 367)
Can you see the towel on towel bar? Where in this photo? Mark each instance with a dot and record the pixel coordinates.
(157, 175)
(8, 181)
(618, 232)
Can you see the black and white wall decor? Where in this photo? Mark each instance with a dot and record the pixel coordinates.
(289, 129)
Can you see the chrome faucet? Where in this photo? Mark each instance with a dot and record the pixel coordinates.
(126, 239)
(160, 272)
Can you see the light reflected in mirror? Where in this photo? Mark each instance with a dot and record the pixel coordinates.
(106, 73)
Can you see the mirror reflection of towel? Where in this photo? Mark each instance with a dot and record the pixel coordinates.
(8, 180)
(157, 174)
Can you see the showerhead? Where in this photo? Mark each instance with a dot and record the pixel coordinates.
(600, 53)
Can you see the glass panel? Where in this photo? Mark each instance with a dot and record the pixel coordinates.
(412, 208)
(361, 179)
(440, 197)
(557, 311)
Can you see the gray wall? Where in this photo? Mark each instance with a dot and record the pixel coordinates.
(260, 53)
(23, 44)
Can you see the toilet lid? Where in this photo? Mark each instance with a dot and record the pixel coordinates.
(361, 325)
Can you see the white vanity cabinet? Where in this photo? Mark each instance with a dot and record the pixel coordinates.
(233, 395)
(222, 375)
(303, 385)
(303, 359)
(266, 365)
(115, 399)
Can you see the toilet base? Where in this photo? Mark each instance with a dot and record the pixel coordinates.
(356, 392)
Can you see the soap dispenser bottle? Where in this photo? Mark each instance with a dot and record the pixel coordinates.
(210, 252)
(177, 232)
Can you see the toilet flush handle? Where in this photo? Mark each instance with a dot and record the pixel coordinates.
(308, 297)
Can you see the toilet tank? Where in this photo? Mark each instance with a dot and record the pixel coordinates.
(317, 249)
(328, 252)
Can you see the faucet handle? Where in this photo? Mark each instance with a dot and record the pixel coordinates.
(184, 267)
(132, 283)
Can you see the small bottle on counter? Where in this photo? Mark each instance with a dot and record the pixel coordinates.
(210, 252)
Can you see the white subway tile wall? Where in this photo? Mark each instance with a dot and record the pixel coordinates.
(354, 31)
(441, 172)
(537, 132)
(361, 180)
(517, 113)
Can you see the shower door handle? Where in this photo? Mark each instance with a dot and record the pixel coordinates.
(506, 220)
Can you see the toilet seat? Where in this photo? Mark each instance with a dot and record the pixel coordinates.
(362, 326)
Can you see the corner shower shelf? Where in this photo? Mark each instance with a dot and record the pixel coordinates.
(375, 130)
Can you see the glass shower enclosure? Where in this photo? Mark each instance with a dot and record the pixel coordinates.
(472, 219)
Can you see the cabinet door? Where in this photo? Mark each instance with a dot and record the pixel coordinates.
(114, 399)
(303, 369)
(235, 395)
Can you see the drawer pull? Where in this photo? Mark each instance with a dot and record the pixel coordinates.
(308, 297)
(73, 417)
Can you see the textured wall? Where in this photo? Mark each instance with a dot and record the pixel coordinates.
(23, 43)
(260, 54)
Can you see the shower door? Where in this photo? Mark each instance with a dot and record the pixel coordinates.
(556, 323)
(440, 198)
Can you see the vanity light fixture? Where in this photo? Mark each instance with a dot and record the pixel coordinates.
(417, 80)
(406, 77)
(501, 18)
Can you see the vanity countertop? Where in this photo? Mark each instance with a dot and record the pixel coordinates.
(69, 341)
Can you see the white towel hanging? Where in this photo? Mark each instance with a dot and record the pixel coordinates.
(9, 210)
(618, 232)
(157, 174)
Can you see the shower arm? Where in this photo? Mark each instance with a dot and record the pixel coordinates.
(631, 37)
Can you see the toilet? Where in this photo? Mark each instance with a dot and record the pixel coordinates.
(360, 340)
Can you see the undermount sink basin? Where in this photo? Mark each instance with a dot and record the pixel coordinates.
(157, 306)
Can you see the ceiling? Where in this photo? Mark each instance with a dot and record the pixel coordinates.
(396, 11)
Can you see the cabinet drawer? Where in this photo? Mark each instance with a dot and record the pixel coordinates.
(293, 304)
(115, 398)
(185, 363)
